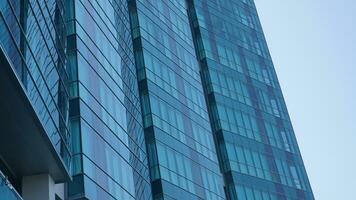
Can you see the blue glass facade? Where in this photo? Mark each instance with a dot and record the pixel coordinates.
(150, 99)
(257, 147)
(109, 154)
(182, 157)
(32, 36)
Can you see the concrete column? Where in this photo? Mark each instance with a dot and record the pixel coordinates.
(41, 187)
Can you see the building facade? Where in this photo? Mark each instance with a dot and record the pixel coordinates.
(257, 147)
(109, 152)
(35, 134)
(182, 157)
(142, 99)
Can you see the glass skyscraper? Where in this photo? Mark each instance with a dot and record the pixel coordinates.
(142, 99)
(182, 157)
(257, 147)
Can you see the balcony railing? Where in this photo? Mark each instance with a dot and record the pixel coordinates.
(7, 191)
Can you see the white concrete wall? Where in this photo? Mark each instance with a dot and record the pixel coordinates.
(41, 187)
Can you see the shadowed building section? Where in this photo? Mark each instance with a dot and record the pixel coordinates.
(24, 145)
(34, 136)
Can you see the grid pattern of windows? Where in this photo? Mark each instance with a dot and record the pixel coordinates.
(109, 149)
(257, 146)
(182, 156)
(255, 163)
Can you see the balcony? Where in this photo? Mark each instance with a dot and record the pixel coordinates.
(25, 147)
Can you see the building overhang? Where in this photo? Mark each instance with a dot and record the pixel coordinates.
(25, 148)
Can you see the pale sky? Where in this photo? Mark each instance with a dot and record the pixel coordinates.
(313, 46)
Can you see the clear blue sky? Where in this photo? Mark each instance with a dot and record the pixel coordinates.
(313, 46)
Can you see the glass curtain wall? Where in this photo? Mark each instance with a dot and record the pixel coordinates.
(109, 154)
(182, 157)
(257, 147)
